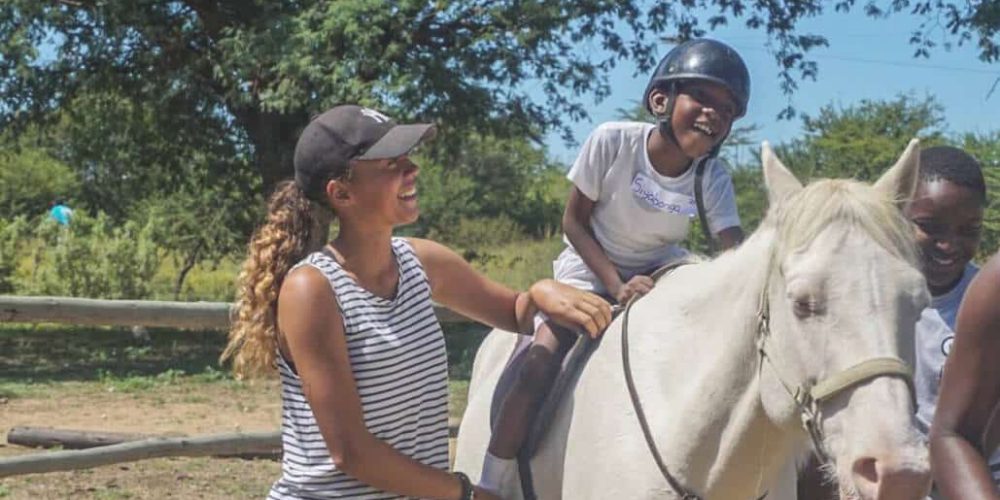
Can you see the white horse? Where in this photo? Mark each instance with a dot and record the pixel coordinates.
(832, 273)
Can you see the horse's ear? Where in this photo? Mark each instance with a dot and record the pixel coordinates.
(899, 183)
(781, 183)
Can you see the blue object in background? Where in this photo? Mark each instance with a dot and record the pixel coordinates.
(61, 213)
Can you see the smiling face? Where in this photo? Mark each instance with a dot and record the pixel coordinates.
(949, 223)
(378, 192)
(702, 115)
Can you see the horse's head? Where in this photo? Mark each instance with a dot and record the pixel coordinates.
(842, 298)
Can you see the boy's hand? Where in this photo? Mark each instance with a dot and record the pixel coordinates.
(481, 494)
(571, 307)
(637, 286)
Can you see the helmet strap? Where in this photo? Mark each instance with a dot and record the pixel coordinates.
(718, 147)
(664, 121)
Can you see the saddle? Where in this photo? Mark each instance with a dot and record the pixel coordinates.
(574, 361)
(572, 364)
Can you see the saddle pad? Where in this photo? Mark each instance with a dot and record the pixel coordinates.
(572, 364)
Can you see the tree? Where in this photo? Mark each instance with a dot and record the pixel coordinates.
(30, 179)
(489, 179)
(125, 150)
(986, 148)
(862, 140)
(859, 141)
(251, 72)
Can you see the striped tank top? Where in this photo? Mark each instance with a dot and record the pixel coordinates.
(399, 362)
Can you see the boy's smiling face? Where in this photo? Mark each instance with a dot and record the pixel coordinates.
(949, 223)
(702, 116)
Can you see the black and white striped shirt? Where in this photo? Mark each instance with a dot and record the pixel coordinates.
(399, 363)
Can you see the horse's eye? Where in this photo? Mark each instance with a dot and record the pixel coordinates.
(805, 308)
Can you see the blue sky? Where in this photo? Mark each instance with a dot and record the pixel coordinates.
(866, 59)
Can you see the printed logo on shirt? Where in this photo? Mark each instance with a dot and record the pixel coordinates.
(650, 194)
(946, 345)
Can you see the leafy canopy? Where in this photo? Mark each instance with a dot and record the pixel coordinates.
(250, 73)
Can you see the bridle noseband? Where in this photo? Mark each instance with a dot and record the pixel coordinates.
(807, 396)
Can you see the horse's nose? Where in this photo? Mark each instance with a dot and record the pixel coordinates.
(883, 480)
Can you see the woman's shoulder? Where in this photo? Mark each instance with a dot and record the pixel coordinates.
(306, 290)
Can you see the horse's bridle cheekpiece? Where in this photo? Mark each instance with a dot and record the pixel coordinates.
(808, 397)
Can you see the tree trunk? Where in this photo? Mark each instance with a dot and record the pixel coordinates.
(274, 136)
(189, 261)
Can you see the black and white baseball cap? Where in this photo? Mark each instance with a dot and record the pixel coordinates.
(350, 132)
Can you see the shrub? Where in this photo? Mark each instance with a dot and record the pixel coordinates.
(475, 234)
(13, 234)
(93, 258)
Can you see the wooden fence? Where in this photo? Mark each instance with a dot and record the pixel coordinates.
(191, 315)
(187, 315)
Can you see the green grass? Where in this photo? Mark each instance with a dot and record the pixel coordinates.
(458, 397)
(519, 264)
(45, 354)
(39, 357)
(207, 281)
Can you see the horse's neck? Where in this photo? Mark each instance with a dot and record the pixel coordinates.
(722, 440)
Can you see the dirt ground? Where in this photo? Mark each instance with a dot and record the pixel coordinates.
(103, 380)
(179, 408)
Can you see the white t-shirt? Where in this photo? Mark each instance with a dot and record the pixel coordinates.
(639, 215)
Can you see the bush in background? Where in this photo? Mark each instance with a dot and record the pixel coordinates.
(12, 238)
(92, 257)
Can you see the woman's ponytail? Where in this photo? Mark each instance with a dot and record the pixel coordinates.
(294, 227)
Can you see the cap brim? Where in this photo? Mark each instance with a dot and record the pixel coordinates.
(398, 141)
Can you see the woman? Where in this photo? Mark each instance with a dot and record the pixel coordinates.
(350, 324)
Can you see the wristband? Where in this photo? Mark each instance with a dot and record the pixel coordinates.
(467, 491)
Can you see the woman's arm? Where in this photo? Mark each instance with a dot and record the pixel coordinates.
(458, 286)
(313, 336)
(970, 391)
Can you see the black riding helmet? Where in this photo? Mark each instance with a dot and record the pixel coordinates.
(700, 59)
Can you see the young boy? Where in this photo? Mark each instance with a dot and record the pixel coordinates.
(632, 201)
(947, 212)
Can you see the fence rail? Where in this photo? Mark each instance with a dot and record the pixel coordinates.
(192, 315)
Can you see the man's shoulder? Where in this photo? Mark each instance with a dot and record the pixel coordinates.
(716, 168)
(621, 129)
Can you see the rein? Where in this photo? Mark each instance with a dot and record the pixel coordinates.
(808, 397)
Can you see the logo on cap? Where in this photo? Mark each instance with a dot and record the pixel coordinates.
(374, 115)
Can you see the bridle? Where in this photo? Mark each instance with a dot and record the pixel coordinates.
(808, 396)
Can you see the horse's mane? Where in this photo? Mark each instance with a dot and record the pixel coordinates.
(801, 217)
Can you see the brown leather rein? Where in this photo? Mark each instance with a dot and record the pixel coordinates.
(808, 397)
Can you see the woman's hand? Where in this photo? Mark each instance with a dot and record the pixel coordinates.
(571, 307)
(637, 286)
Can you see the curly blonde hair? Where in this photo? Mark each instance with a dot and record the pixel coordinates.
(294, 227)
